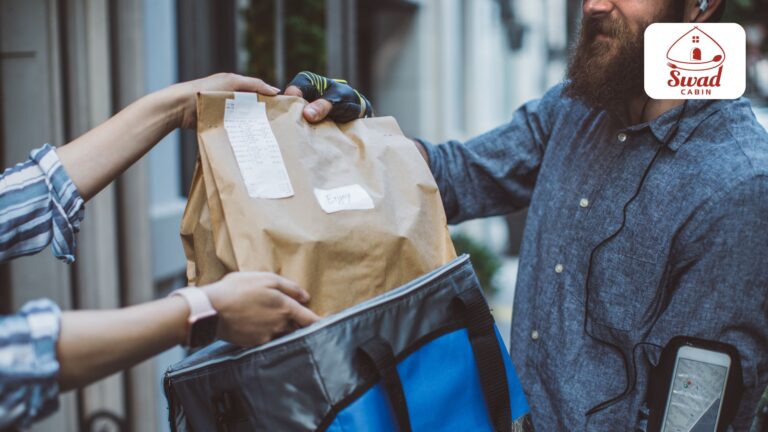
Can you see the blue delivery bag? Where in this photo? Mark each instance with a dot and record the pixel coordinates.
(424, 357)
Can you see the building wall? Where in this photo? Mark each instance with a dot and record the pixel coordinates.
(67, 65)
(30, 115)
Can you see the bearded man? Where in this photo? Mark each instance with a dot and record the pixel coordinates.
(647, 219)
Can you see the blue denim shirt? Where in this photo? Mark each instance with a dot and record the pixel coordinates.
(690, 259)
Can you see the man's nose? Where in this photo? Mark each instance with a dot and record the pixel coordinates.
(597, 7)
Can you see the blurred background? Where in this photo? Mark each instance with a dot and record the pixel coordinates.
(446, 69)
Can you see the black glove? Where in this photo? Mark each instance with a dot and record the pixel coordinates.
(348, 103)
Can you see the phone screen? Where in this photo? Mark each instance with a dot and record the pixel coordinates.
(695, 396)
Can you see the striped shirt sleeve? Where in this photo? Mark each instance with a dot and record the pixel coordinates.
(39, 205)
(29, 388)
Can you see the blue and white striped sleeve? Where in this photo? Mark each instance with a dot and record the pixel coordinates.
(29, 369)
(39, 205)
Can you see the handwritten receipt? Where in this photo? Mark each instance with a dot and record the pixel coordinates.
(352, 197)
(255, 147)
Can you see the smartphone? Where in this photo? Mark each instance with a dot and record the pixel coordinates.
(697, 390)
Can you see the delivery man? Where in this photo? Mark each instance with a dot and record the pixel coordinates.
(647, 219)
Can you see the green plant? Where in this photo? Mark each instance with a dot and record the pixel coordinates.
(485, 261)
(304, 37)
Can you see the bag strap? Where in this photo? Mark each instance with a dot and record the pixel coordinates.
(379, 352)
(475, 312)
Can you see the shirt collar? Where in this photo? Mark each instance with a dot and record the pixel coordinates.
(663, 127)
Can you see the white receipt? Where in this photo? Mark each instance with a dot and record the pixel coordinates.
(255, 147)
(352, 197)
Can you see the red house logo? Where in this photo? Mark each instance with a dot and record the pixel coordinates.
(692, 53)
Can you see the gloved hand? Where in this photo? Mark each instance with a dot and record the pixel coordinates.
(330, 98)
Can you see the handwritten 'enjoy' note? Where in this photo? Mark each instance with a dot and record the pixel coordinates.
(352, 197)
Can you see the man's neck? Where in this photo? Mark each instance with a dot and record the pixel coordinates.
(643, 109)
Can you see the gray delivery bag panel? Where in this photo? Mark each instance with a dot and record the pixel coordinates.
(426, 356)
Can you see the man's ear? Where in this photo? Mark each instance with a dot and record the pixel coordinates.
(701, 10)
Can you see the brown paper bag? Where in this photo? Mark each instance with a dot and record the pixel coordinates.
(340, 258)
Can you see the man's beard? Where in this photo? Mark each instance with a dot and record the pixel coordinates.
(607, 74)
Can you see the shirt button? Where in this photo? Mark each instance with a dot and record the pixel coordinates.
(559, 268)
(584, 203)
(622, 137)
(535, 335)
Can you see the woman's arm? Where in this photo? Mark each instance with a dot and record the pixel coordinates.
(41, 199)
(253, 308)
(103, 153)
(96, 343)
(43, 350)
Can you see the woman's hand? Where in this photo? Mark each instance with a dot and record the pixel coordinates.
(256, 307)
(185, 94)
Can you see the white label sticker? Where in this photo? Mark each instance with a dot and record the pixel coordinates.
(352, 197)
(255, 147)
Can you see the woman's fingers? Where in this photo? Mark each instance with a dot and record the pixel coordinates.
(289, 288)
(250, 84)
(301, 315)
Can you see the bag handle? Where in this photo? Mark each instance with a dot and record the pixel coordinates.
(379, 353)
(474, 311)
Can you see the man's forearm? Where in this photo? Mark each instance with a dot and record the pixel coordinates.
(100, 155)
(95, 344)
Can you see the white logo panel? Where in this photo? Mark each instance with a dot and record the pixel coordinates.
(695, 61)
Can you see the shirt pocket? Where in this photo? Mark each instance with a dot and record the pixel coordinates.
(624, 285)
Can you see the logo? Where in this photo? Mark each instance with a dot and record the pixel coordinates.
(695, 61)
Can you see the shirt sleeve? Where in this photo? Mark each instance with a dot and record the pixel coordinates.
(494, 173)
(39, 205)
(29, 388)
(719, 271)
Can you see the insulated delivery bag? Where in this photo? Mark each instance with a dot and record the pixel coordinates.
(426, 356)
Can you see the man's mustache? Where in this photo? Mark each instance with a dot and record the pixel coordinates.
(611, 27)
